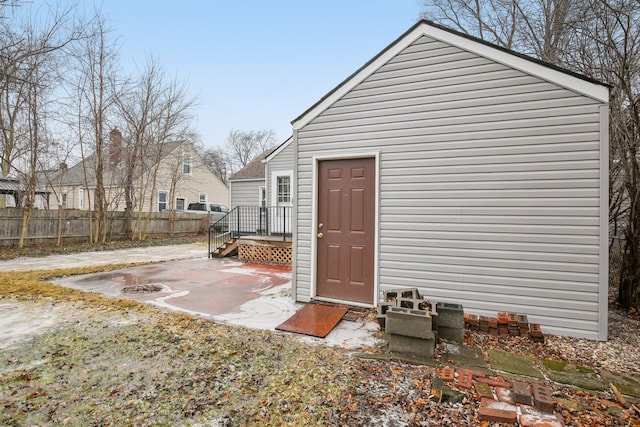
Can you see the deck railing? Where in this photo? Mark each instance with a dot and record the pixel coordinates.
(260, 221)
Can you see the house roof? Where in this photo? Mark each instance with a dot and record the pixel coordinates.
(549, 72)
(278, 149)
(254, 169)
(9, 185)
(74, 175)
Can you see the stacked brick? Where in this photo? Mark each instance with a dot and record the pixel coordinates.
(414, 324)
(503, 401)
(504, 324)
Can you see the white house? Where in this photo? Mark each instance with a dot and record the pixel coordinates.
(476, 174)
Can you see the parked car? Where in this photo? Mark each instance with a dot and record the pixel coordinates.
(216, 211)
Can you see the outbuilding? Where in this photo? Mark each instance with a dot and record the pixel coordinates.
(476, 174)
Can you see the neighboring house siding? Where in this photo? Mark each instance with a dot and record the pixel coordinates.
(489, 185)
(282, 161)
(245, 192)
(169, 178)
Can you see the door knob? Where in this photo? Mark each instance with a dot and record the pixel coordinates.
(320, 235)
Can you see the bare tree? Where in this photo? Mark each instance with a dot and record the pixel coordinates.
(540, 28)
(96, 59)
(156, 110)
(215, 160)
(23, 39)
(29, 51)
(242, 146)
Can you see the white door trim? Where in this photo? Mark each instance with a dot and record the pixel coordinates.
(314, 225)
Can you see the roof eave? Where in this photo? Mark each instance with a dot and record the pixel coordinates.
(568, 79)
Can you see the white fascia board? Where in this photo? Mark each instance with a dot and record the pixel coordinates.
(246, 180)
(598, 92)
(278, 150)
(592, 90)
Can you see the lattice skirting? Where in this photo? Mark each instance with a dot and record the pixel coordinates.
(265, 252)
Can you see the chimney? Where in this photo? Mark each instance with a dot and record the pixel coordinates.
(115, 146)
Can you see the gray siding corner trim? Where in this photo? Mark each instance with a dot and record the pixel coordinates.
(294, 224)
(604, 224)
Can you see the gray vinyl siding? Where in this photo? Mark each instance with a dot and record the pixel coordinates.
(281, 161)
(489, 185)
(245, 192)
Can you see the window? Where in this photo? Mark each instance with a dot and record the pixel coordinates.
(202, 197)
(186, 163)
(284, 189)
(180, 203)
(64, 200)
(162, 200)
(262, 196)
(81, 198)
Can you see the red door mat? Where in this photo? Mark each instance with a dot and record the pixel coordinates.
(316, 320)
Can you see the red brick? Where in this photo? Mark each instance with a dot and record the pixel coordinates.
(493, 322)
(542, 398)
(523, 321)
(494, 382)
(483, 390)
(447, 374)
(483, 321)
(464, 378)
(497, 415)
(531, 417)
(505, 395)
(513, 319)
(522, 393)
(473, 320)
(533, 421)
(534, 329)
(503, 318)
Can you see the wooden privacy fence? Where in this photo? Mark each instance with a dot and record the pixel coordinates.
(73, 225)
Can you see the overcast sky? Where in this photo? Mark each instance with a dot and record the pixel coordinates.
(257, 64)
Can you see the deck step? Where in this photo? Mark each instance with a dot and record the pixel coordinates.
(227, 249)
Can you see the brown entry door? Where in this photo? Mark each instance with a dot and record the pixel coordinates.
(345, 229)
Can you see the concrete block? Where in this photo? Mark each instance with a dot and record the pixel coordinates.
(382, 320)
(450, 315)
(434, 321)
(393, 294)
(409, 323)
(451, 334)
(412, 303)
(383, 307)
(412, 346)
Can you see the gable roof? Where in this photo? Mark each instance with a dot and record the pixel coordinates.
(254, 169)
(75, 174)
(532, 66)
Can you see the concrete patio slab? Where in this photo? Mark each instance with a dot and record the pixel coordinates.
(228, 291)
